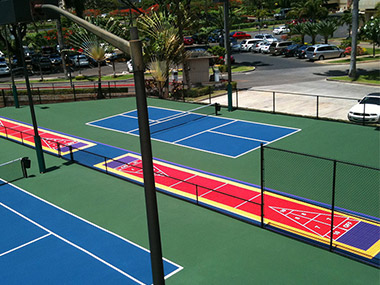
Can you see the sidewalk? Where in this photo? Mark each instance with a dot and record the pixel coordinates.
(289, 103)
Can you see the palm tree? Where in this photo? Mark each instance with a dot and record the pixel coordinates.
(355, 24)
(326, 29)
(164, 48)
(346, 19)
(311, 9)
(311, 29)
(299, 29)
(92, 47)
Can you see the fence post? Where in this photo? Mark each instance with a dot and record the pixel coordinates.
(53, 88)
(209, 94)
(22, 138)
(109, 89)
(262, 182)
(196, 194)
(317, 106)
(105, 162)
(59, 149)
(333, 206)
(274, 102)
(237, 98)
(39, 95)
(71, 153)
(75, 95)
(364, 114)
(3, 93)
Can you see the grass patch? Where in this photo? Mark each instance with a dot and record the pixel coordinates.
(372, 77)
(358, 59)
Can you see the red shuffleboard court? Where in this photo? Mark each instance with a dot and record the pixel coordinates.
(51, 141)
(352, 234)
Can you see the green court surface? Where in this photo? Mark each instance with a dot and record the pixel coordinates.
(212, 248)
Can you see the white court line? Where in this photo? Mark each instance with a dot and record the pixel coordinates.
(195, 175)
(240, 137)
(25, 244)
(208, 130)
(247, 201)
(179, 268)
(73, 244)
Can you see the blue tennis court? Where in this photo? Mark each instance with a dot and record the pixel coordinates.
(43, 244)
(214, 134)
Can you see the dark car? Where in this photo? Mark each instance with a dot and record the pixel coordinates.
(55, 59)
(47, 51)
(41, 62)
(240, 35)
(291, 50)
(301, 51)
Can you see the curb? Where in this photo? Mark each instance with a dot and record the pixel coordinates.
(353, 82)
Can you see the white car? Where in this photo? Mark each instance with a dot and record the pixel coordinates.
(248, 44)
(265, 48)
(81, 60)
(258, 46)
(281, 30)
(265, 37)
(367, 110)
(4, 69)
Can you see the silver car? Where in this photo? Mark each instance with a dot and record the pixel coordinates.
(4, 69)
(323, 51)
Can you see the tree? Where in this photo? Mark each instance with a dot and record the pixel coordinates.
(371, 32)
(163, 49)
(78, 5)
(311, 9)
(311, 29)
(346, 19)
(355, 24)
(299, 29)
(13, 40)
(93, 46)
(326, 29)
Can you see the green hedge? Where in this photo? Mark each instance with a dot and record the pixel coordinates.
(44, 91)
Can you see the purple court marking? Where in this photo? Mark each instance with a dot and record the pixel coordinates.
(76, 145)
(125, 160)
(354, 237)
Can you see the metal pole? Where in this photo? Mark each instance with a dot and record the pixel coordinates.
(262, 182)
(274, 102)
(14, 88)
(333, 206)
(226, 6)
(317, 107)
(147, 161)
(37, 139)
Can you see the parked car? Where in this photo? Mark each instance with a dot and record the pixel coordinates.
(47, 51)
(265, 48)
(301, 51)
(236, 47)
(240, 35)
(247, 45)
(188, 40)
(4, 69)
(323, 51)
(41, 62)
(55, 59)
(1, 53)
(265, 37)
(258, 46)
(80, 60)
(367, 110)
(281, 30)
(291, 50)
(276, 48)
(28, 51)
